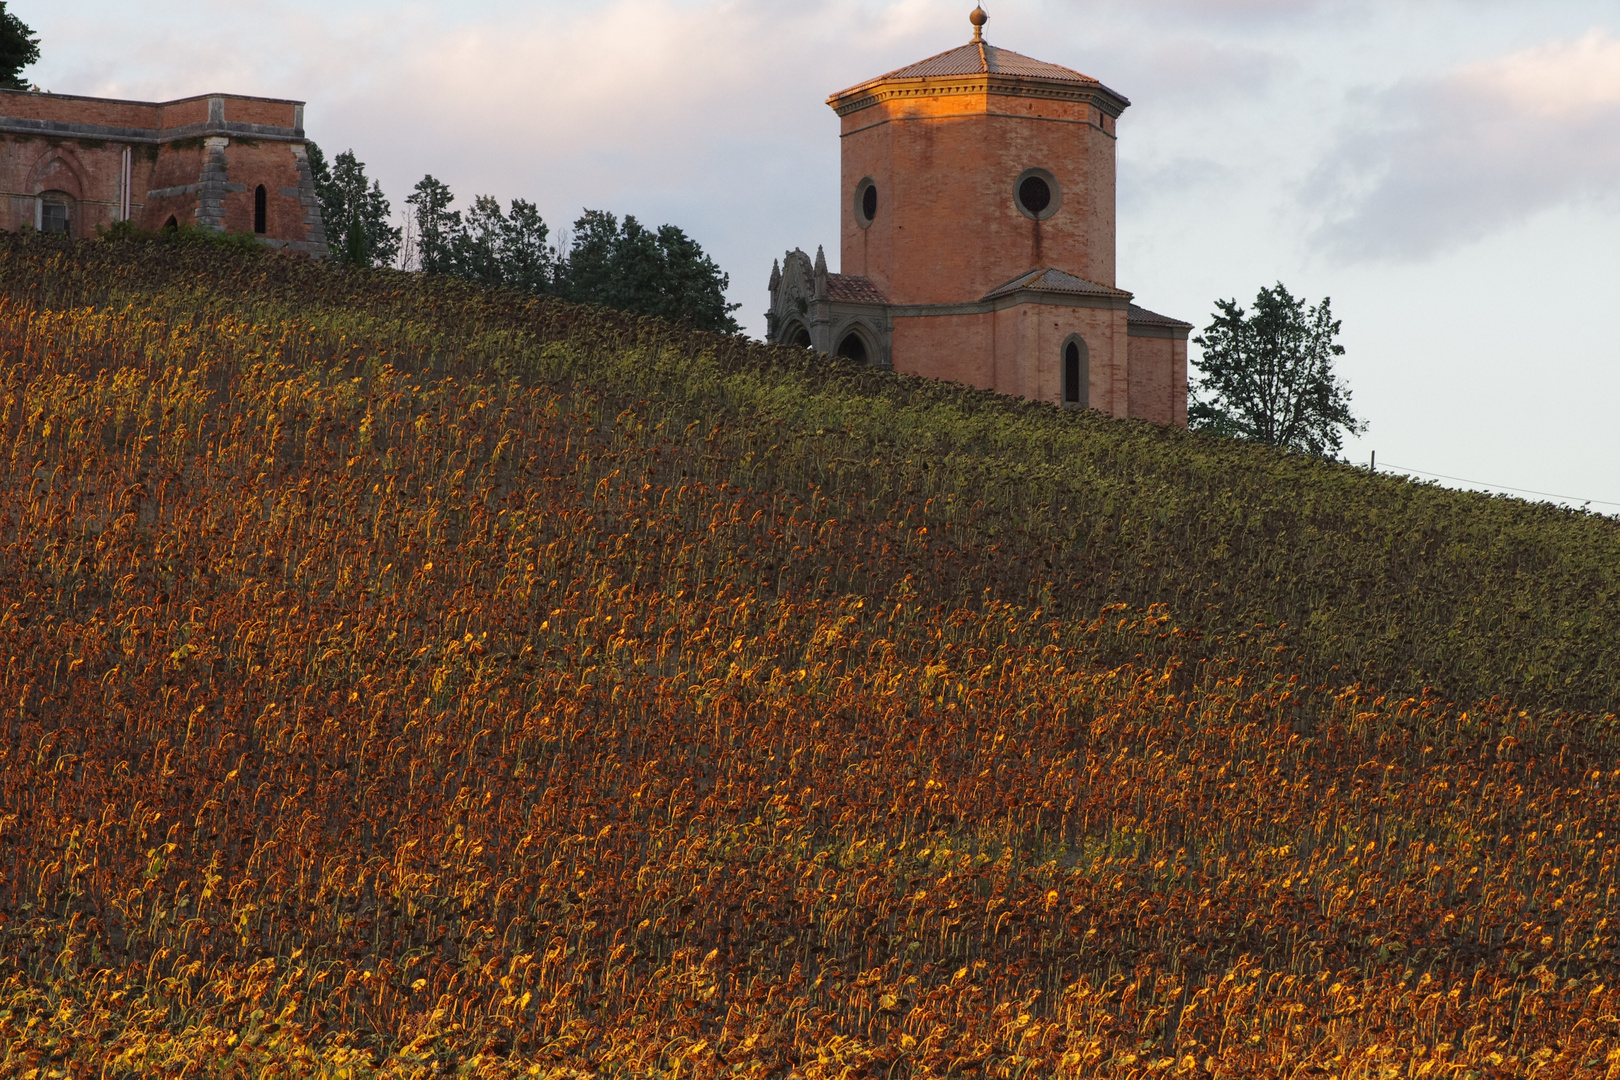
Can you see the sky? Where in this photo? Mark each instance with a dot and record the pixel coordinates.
(1446, 171)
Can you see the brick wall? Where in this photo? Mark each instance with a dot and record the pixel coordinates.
(947, 227)
(197, 161)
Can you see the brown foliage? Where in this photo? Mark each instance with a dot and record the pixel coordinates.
(360, 717)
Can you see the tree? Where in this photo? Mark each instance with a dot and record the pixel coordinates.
(497, 249)
(1267, 375)
(629, 267)
(489, 245)
(437, 226)
(18, 48)
(355, 211)
(664, 273)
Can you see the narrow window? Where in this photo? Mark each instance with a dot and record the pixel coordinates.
(258, 210)
(1076, 374)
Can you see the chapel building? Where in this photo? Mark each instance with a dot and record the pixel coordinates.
(224, 162)
(977, 239)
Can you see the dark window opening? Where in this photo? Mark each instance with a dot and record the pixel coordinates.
(172, 225)
(800, 338)
(866, 202)
(1071, 373)
(853, 348)
(1034, 194)
(53, 217)
(259, 201)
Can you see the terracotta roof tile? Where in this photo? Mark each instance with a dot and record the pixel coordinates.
(853, 289)
(1143, 317)
(976, 58)
(1052, 280)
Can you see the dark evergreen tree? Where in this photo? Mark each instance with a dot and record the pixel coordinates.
(438, 228)
(528, 260)
(18, 48)
(587, 270)
(500, 249)
(663, 273)
(356, 213)
(628, 267)
(1267, 375)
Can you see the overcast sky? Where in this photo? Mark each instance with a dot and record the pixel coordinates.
(1448, 172)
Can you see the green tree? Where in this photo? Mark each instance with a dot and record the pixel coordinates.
(1267, 375)
(437, 226)
(488, 245)
(624, 266)
(18, 48)
(355, 211)
(631, 268)
(500, 249)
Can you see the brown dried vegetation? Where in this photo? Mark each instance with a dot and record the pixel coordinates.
(390, 688)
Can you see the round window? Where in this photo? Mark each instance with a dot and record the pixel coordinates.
(1036, 194)
(866, 202)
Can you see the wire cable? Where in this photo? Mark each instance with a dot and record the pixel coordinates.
(1503, 487)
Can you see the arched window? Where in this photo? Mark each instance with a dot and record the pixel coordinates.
(172, 225)
(797, 336)
(259, 210)
(56, 213)
(1076, 373)
(853, 348)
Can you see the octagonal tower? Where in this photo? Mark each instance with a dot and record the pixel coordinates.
(977, 239)
(1016, 154)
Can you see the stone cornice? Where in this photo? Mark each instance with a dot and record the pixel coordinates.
(880, 90)
(1044, 297)
(37, 95)
(61, 129)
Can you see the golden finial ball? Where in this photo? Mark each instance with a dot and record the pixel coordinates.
(978, 18)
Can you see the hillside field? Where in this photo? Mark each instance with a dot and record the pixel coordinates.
(399, 678)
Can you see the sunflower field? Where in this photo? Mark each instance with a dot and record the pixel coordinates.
(402, 678)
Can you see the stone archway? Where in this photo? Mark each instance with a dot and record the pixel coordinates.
(795, 333)
(852, 345)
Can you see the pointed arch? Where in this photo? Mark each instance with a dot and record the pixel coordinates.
(795, 333)
(57, 169)
(1074, 366)
(856, 341)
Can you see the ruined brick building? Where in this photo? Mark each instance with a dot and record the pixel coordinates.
(978, 239)
(236, 164)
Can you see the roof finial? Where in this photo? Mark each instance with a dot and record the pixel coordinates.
(978, 19)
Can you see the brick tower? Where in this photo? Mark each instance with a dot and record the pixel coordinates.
(977, 239)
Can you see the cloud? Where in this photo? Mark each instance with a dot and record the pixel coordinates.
(1184, 71)
(1434, 165)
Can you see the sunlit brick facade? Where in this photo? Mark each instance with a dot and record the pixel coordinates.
(977, 239)
(236, 164)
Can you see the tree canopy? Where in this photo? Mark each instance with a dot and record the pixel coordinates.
(627, 266)
(1267, 375)
(19, 47)
(355, 211)
(489, 245)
